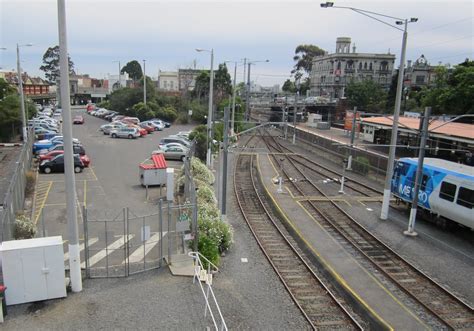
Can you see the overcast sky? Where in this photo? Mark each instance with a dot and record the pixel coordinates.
(166, 33)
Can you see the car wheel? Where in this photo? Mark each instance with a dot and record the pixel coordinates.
(77, 170)
(130, 136)
(183, 158)
(114, 135)
(47, 170)
(105, 133)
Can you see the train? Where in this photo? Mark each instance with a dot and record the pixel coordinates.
(446, 192)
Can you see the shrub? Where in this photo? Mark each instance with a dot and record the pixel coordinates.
(166, 113)
(199, 171)
(208, 248)
(104, 104)
(361, 165)
(182, 118)
(24, 228)
(30, 182)
(205, 194)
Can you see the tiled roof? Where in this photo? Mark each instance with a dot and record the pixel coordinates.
(461, 130)
(159, 162)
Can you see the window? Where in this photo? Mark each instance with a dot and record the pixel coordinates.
(447, 191)
(420, 79)
(424, 181)
(465, 197)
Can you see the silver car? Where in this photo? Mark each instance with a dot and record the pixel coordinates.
(175, 153)
(106, 128)
(125, 132)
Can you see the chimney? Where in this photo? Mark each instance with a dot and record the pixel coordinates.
(408, 64)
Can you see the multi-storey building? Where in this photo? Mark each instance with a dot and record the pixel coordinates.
(419, 74)
(331, 73)
(32, 86)
(168, 81)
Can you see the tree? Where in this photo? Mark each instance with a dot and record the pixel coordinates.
(51, 64)
(288, 86)
(304, 55)
(222, 84)
(134, 70)
(124, 99)
(366, 96)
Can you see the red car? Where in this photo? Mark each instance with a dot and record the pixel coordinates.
(78, 120)
(49, 156)
(142, 131)
(148, 128)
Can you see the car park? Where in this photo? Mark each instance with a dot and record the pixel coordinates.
(78, 120)
(46, 144)
(42, 133)
(57, 164)
(125, 132)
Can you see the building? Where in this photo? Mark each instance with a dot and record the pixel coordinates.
(331, 73)
(419, 74)
(187, 78)
(168, 81)
(33, 87)
(114, 81)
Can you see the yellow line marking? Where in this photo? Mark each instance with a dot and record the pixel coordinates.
(43, 203)
(54, 204)
(327, 265)
(93, 173)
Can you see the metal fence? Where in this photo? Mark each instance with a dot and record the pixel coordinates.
(364, 162)
(15, 196)
(127, 243)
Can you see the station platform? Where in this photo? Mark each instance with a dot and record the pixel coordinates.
(353, 276)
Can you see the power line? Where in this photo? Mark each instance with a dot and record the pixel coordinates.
(443, 42)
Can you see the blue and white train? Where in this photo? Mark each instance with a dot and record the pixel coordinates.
(446, 190)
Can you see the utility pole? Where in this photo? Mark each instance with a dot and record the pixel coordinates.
(224, 164)
(22, 95)
(247, 101)
(144, 82)
(419, 174)
(233, 100)
(70, 182)
(353, 128)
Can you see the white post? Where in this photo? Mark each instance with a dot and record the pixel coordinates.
(170, 184)
(144, 82)
(74, 250)
(22, 95)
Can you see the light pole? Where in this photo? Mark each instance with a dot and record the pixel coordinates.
(144, 82)
(209, 114)
(119, 80)
(69, 178)
(232, 121)
(297, 85)
(247, 101)
(396, 113)
(22, 95)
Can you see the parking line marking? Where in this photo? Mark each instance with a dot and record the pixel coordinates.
(144, 249)
(92, 241)
(103, 253)
(44, 198)
(85, 194)
(93, 173)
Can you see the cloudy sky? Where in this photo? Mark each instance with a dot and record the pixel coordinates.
(166, 33)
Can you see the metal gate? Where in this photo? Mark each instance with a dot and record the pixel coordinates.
(125, 243)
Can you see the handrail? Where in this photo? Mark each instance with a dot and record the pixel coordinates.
(197, 269)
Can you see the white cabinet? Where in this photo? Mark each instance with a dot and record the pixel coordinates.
(33, 269)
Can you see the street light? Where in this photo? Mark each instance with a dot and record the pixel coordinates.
(233, 96)
(144, 82)
(247, 107)
(297, 85)
(119, 80)
(209, 114)
(20, 86)
(396, 114)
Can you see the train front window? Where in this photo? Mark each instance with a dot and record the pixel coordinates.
(447, 191)
(465, 197)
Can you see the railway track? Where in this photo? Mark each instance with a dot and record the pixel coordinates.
(318, 305)
(322, 171)
(443, 305)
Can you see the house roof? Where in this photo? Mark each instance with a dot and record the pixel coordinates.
(461, 130)
(158, 160)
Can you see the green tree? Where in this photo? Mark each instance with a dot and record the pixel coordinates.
(5, 88)
(124, 99)
(10, 120)
(51, 64)
(366, 96)
(304, 55)
(288, 86)
(199, 134)
(222, 84)
(134, 70)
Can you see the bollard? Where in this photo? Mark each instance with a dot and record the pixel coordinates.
(169, 184)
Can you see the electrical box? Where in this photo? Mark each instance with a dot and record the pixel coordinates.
(33, 269)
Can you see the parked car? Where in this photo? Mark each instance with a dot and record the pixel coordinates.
(175, 139)
(77, 149)
(148, 128)
(175, 153)
(184, 134)
(125, 132)
(58, 117)
(166, 124)
(172, 145)
(106, 128)
(132, 120)
(110, 115)
(42, 133)
(78, 120)
(57, 164)
(46, 144)
(158, 126)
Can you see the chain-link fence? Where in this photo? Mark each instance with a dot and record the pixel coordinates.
(15, 196)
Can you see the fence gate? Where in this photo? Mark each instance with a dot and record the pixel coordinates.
(123, 243)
